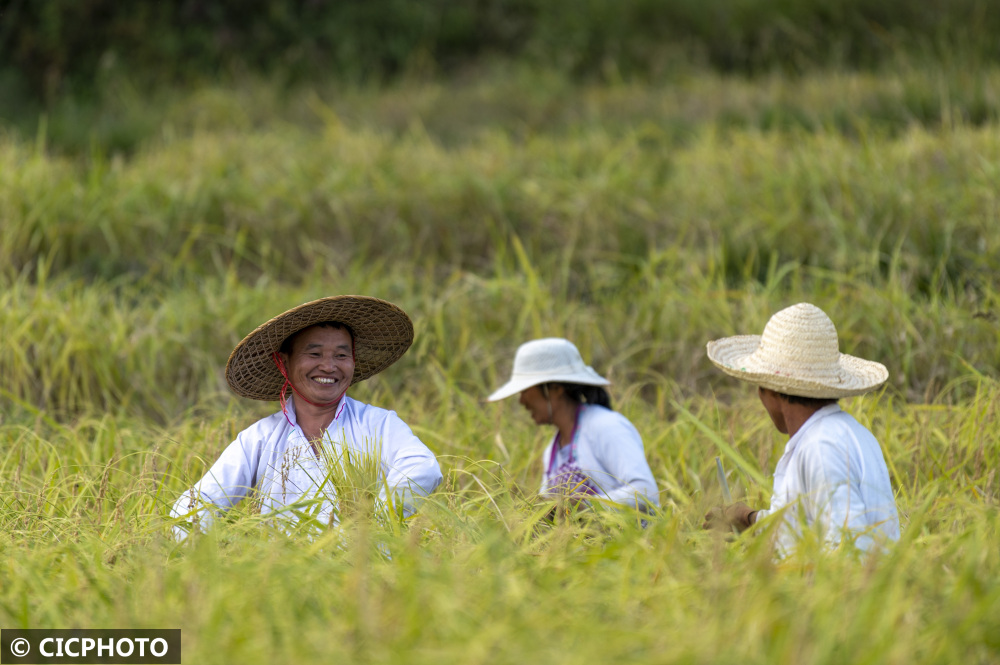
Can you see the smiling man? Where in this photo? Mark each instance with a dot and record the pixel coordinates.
(314, 352)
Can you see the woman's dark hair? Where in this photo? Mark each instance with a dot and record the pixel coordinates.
(286, 346)
(582, 394)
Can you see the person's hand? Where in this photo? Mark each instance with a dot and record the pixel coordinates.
(736, 515)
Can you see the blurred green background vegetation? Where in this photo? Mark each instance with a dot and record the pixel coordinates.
(528, 155)
(528, 161)
(58, 47)
(66, 41)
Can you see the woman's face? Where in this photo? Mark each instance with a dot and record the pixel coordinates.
(535, 401)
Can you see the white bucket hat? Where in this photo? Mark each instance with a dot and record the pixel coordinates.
(549, 360)
(798, 354)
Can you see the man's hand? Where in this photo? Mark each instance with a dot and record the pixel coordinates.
(736, 515)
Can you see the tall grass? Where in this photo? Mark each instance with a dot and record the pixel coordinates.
(695, 163)
(176, 254)
(478, 575)
(122, 115)
(640, 223)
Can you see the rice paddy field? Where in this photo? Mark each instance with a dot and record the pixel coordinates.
(142, 235)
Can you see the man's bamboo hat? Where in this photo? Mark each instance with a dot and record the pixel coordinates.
(382, 334)
(798, 354)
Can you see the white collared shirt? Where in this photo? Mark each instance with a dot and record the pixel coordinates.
(609, 451)
(833, 477)
(273, 457)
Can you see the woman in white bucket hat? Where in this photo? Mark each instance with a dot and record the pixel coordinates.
(832, 476)
(595, 451)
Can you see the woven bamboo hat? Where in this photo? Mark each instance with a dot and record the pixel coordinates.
(798, 354)
(549, 360)
(382, 334)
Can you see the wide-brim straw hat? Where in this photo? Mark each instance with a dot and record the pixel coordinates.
(549, 360)
(798, 354)
(382, 334)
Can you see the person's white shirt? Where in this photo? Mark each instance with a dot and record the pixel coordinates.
(273, 458)
(833, 477)
(609, 451)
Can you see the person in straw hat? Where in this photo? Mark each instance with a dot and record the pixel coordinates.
(595, 451)
(832, 476)
(314, 353)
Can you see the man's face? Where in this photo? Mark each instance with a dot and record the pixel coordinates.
(772, 403)
(321, 364)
